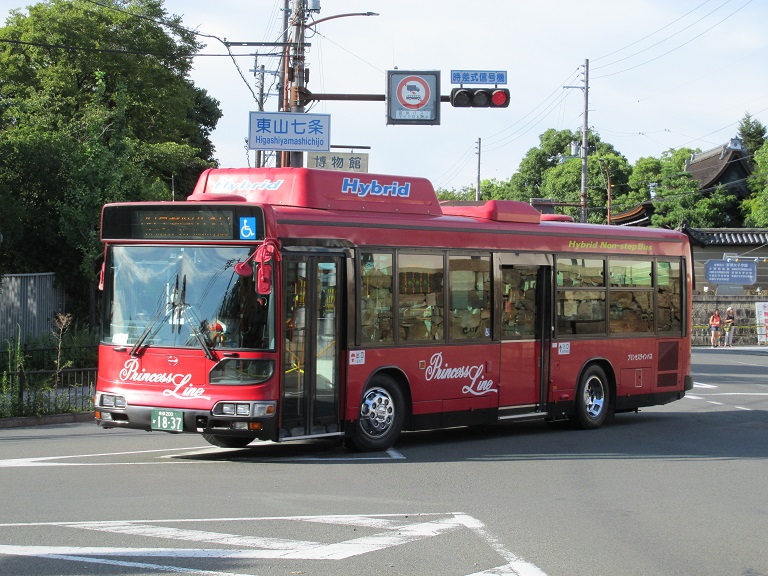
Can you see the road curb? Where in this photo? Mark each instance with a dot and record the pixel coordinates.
(27, 421)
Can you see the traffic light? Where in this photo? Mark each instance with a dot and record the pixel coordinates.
(480, 97)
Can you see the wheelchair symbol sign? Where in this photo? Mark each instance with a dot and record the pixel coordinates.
(248, 228)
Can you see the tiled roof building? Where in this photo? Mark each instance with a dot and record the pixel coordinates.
(726, 165)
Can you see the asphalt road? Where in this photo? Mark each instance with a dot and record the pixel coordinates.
(673, 490)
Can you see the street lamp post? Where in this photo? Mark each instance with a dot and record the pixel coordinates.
(299, 80)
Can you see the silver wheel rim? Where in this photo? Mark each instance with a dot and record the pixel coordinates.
(377, 412)
(594, 397)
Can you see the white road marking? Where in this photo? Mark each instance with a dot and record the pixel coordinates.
(40, 461)
(396, 529)
(25, 551)
(701, 385)
(50, 460)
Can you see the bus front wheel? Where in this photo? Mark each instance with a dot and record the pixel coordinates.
(382, 413)
(227, 441)
(593, 398)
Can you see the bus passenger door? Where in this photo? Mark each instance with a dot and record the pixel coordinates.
(525, 335)
(311, 323)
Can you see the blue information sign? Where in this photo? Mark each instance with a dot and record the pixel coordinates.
(291, 131)
(478, 76)
(725, 272)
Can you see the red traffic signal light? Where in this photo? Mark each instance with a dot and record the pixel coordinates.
(480, 97)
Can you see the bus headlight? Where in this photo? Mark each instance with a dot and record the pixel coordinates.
(263, 409)
(112, 401)
(245, 409)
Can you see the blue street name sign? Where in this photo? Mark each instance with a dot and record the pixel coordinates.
(478, 76)
(724, 272)
(289, 131)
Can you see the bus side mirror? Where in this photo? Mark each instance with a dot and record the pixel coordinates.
(264, 256)
(244, 269)
(264, 278)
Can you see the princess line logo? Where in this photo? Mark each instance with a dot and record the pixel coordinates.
(478, 385)
(180, 387)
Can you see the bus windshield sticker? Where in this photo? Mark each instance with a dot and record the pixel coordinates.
(247, 228)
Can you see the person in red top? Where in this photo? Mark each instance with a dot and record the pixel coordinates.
(714, 328)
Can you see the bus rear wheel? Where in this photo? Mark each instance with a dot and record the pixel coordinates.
(227, 441)
(382, 413)
(593, 398)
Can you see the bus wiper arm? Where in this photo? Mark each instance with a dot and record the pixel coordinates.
(170, 308)
(185, 310)
(150, 327)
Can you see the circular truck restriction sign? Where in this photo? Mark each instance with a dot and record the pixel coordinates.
(413, 92)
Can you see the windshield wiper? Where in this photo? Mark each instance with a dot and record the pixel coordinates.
(170, 308)
(149, 329)
(185, 311)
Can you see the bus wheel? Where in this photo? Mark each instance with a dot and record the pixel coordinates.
(382, 413)
(228, 441)
(593, 398)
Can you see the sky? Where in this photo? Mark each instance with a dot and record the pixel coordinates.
(662, 75)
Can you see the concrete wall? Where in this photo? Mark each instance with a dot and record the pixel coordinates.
(743, 310)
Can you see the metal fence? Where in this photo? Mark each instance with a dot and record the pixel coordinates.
(28, 304)
(35, 393)
(28, 388)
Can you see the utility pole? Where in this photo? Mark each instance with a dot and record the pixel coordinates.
(282, 82)
(297, 65)
(584, 144)
(609, 189)
(477, 190)
(258, 74)
(584, 141)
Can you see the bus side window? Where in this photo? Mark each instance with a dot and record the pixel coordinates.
(670, 296)
(518, 318)
(376, 300)
(470, 288)
(420, 298)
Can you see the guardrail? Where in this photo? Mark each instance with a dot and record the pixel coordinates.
(742, 335)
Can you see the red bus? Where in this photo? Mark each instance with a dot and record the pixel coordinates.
(288, 303)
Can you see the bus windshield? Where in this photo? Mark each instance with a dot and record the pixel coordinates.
(184, 296)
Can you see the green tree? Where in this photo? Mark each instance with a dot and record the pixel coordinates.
(756, 207)
(464, 194)
(552, 171)
(752, 133)
(642, 183)
(95, 106)
(678, 198)
(528, 181)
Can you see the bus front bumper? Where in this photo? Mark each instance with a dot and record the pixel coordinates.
(191, 421)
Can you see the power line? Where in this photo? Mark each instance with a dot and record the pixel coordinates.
(675, 48)
(664, 39)
(651, 34)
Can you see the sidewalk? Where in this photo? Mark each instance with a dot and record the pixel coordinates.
(27, 421)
